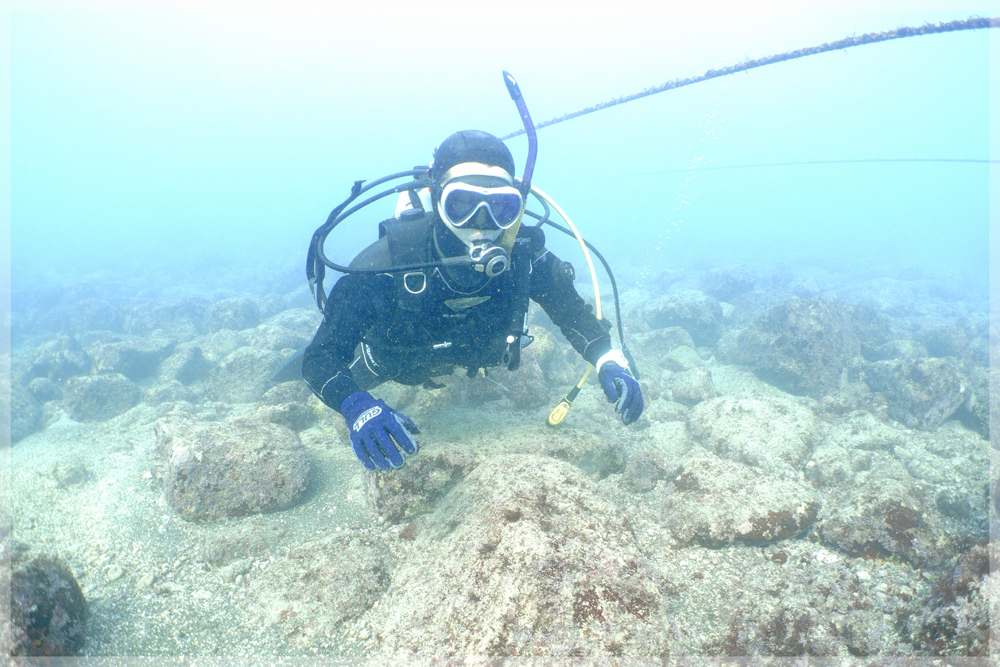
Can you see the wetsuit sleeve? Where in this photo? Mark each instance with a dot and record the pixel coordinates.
(554, 292)
(351, 310)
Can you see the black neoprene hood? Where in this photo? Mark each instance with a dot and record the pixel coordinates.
(471, 146)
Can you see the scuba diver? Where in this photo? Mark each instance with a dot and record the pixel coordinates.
(446, 285)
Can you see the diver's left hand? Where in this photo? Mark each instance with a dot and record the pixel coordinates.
(618, 384)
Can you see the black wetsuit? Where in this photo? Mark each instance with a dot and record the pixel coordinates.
(411, 338)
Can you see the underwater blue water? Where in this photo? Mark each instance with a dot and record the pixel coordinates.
(165, 145)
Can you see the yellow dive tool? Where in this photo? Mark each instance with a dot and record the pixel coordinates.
(559, 412)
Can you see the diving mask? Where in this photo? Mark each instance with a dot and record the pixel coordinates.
(471, 187)
(460, 202)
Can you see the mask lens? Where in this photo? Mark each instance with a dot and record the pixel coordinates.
(505, 207)
(460, 204)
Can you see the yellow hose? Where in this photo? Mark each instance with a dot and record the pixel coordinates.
(559, 412)
(583, 246)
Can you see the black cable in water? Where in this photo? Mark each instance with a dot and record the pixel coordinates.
(777, 164)
(543, 219)
(973, 23)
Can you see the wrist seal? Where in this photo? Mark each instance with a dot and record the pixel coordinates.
(615, 356)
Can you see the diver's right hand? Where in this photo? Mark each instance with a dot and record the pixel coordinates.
(378, 433)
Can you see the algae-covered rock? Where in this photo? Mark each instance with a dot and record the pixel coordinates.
(976, 409)
(185, 365)
(885, 512)
(695, 312)
(25, 413)
(715, 502)
(692, 386)
(525, 387)
(523, 557)
(656, 346)
(59, 359)
(237, 314)
(811, 346)
(861, 430)
(921, 393)
(100, 397)
(44, 389)
(180, 319)
(956, 620)
(272, 337)
(656, 454)
(232, 468)
(319, 585)
(47, 613)
(728, 283)
(244, 375)
(135, 358)
(416, 487)
(944, 340)
(818, 604)
(773, 434)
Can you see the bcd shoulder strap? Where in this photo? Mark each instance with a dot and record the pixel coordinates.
(408, 244)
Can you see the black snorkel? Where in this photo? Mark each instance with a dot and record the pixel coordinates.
(529, 129)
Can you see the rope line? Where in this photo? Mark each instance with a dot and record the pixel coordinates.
(783, 164)
(973, 23)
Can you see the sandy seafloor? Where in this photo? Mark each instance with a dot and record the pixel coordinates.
(152, 592)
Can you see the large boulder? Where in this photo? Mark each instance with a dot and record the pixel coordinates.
(244, 375)
(692, 386)
(185, 365)
(87, 314)
(774, 434)
(523, 557)
(807, 601)
(233, 468)
(301, 321)
(237, 314)
(656, 346)
(272, 337)
(728, 283)
(695, 312)
(921, 393)
(59, 359)
(182, 319)
(96, 398)
(135, 358)
(417, 487)
(321, 584)
(885, 513)
(47, 613)
(25, 413)
(811, 346)
(976, 409)
(715, 502)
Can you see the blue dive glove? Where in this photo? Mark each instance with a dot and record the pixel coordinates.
(618, 384)
(378, 433)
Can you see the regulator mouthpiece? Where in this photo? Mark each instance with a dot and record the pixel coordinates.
(489, 259)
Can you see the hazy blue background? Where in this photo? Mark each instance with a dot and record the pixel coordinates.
(167, 145)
